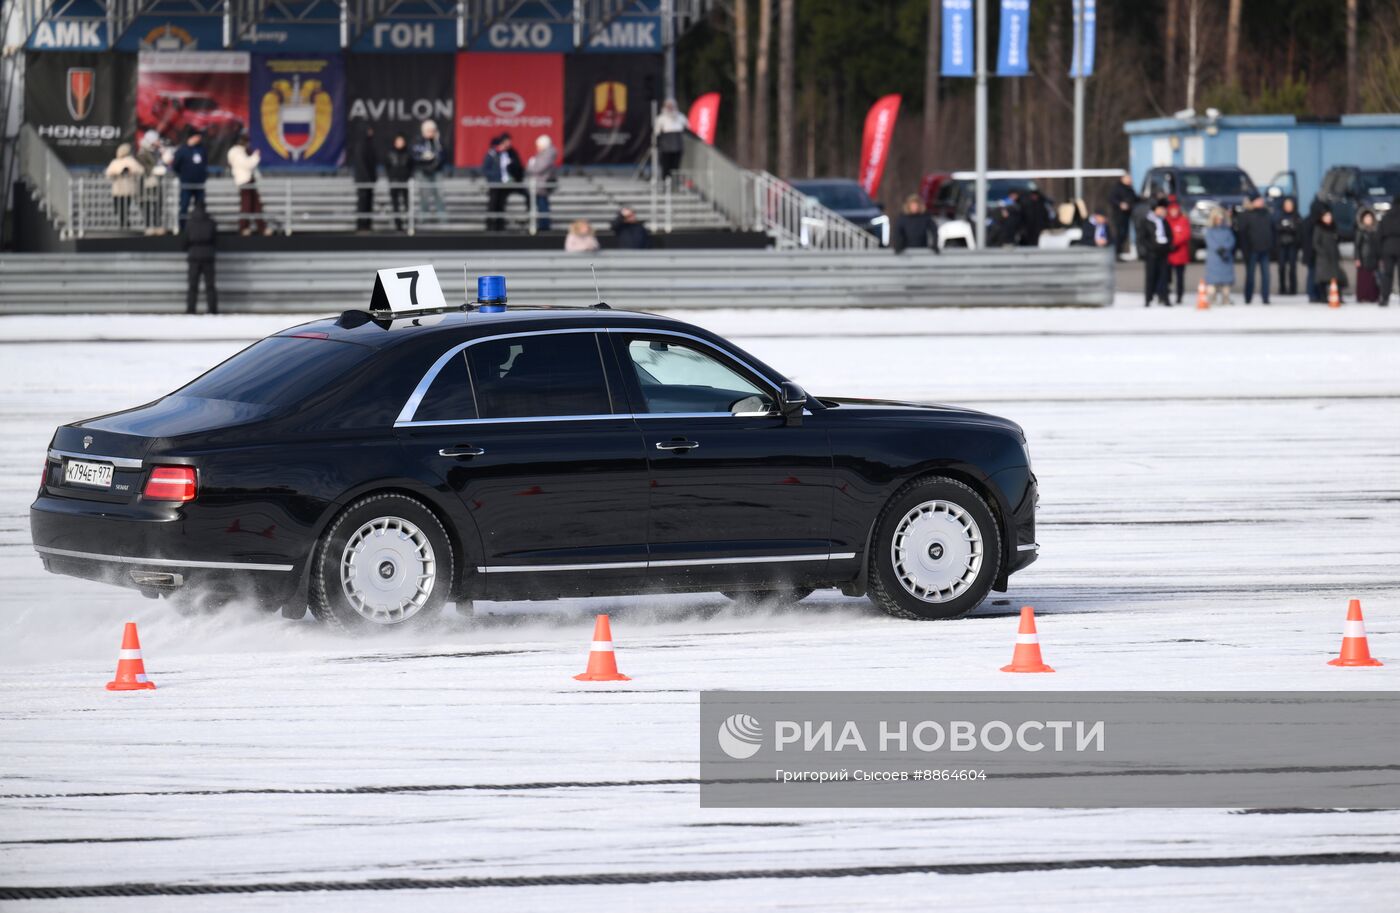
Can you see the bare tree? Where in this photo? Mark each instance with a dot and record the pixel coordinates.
(931, 72)
(1173, 15)
(762, 122)
(1232, 44)
(1351, 56)
(787, 126)
(744, 112)
(1193, 50)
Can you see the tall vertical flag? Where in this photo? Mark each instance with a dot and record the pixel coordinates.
(704, 117)
(1086, 9)
(957, 37)
(875, 145)
(1011, 49)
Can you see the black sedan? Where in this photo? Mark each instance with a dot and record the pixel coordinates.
(375, 468)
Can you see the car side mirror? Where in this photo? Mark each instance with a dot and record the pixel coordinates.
(792, 399)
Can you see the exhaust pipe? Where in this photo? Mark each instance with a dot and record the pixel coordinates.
(162, 580)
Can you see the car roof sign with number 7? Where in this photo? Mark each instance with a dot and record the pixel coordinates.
(401, 289)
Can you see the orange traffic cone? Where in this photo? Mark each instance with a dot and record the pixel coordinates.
(131, 671)
(1027, 655)
(1202, 302)
(1355, 650)
(602, 665)
(1334, 298)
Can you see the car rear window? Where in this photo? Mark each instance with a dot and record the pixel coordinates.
(1216, 183)
(545, 375)
(279, 370)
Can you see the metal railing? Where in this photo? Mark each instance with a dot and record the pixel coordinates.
(48, 178)
(763, 202)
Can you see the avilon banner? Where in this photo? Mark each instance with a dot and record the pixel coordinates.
(396, 93)
(609, 107)
(875, 144)
(519, 94)
(81, 103)
(298, 109)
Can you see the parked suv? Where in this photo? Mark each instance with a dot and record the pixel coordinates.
(955, 197)
(1348, 189)
(1197, 191)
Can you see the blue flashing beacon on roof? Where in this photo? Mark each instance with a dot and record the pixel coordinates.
(491, 293)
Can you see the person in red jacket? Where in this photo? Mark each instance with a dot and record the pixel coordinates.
(1180, 254)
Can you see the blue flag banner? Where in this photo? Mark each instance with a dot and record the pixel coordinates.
(1085, 8)
(1011, 49)
(957, 37)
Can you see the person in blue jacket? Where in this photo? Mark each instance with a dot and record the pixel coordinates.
(1220, 258)
(191, 165)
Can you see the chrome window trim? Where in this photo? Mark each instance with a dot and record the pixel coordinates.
(117, 462)
(162, 562)
(406, 420)
(666, 562)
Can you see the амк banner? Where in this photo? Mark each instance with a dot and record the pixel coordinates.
(395, 94)
(82, 104)
(298, 109)
(610, 96)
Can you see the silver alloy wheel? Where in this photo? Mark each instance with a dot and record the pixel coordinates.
(936, 551)
(388, 570)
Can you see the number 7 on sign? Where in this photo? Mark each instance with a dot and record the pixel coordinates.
(412, 277)
(407, 288)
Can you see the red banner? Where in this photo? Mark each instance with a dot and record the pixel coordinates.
(519, 94)
(704, 117)
(875, 146)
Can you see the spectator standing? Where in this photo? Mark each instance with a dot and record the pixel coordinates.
(427, 164)
(1368, 257)
(1154, 243)
(580, 239)
(501, 168)
(1305, 241)
(1390, 253)
(191, 165)
(1219, 241)
(671, 125)
(914, 228)
(1096, 231)
(1256, 240)
(543, 172)
(1035, 218)
(398, 168)
(364, 168)
(201, 237)
(1327, 251)
(1287, 226)
(1121, 200)
(1180, 254)
(150, 158)
(631, 234)
(125, 173)
(243, 164)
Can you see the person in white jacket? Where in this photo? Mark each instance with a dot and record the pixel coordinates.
(125, 174)
(243, 165)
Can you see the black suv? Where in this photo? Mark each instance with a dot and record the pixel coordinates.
(1348, 189)
(1197, 191)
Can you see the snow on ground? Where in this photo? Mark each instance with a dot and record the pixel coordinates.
(1214, 487)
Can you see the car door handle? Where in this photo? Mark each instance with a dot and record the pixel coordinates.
(677, 445)
(465, 450)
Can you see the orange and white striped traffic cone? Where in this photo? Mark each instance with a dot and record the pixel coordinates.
(1202, 299)
(131, 671)
(1355, 650)
(1334, 297)
(1026, 657)
(602, 664)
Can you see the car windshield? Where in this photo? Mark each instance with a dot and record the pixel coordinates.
(1216, 183)
(279, 370)
(838, 196)
(1380, 183)
(1000, 188)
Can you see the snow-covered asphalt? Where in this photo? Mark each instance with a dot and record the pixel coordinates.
(1214, 487)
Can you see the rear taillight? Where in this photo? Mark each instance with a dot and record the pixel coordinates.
(44, 479)
(170, 483)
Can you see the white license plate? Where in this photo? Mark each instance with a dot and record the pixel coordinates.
(95, 475)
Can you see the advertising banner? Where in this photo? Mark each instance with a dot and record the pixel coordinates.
(519, 94)
(173, 33)
(414, 27)
(179, 92)
(957, 37)
(1011, 48)
(536, 26)
(704, 117)
(396, 94)
(76, 25)
(297, 106)
(609, 107)
(875, 144)
(1087, 9)
(306, 27)
(82, 104)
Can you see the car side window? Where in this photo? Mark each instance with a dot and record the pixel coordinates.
(451, 397)
(546, 375)
(677, 376)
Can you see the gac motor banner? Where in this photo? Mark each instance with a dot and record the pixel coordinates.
(297, 106)
(609, 97)
(81, 103)
(178, 92)
(519, 94)
(395, 94)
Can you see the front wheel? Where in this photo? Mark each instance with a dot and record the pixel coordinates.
(936, 551)
(385, 560)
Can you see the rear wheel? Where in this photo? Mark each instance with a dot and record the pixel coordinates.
(936, 551)
(781, 596)
(386, 560)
